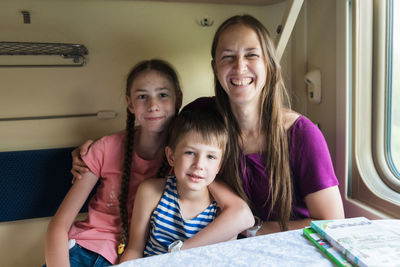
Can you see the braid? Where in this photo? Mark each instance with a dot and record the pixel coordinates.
(165, 168)
(123, 197)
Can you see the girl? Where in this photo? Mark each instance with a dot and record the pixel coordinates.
(279, 160)
(169, 211)
(153, 96)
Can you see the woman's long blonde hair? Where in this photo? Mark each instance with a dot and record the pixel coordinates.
(276, 151)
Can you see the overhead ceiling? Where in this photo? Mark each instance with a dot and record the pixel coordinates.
(237, 2)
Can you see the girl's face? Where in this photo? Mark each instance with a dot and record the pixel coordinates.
(239, 64)
(195, 163)
(153, 100)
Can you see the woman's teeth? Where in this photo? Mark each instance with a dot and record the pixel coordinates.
(241, 82)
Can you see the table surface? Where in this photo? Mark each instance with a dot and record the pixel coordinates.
(289, 248)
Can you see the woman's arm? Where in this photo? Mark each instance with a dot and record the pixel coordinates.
(147, 197)
(234, 218)
(78, 165)
(325, 204)
(313, 164)
(56, 248)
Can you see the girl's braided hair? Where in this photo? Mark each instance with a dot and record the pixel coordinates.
(165, 69)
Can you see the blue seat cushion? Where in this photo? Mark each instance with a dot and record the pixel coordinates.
(33, 183)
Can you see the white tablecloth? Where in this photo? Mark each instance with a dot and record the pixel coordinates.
(289, 248)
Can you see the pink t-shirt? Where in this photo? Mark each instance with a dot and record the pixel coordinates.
(100, 232)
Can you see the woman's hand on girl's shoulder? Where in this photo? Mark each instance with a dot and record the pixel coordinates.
(78, 165)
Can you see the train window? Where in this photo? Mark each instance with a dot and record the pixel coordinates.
(374, 180)
(393, 87)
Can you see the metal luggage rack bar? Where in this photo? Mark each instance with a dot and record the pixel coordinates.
(102, 114)
(76, 52)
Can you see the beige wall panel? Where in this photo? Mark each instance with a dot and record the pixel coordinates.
(22, 242)
(321, 53)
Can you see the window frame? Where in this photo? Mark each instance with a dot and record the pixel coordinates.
(381, 95)
(389, 87)
(361, 118)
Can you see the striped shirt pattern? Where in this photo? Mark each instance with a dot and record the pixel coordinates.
(167, 224)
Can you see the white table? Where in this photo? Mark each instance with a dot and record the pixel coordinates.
(289, 248)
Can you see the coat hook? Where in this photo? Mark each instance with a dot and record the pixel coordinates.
(27, 17)
(279, 29)
(206, 22)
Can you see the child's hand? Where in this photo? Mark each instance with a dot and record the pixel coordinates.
(78, 166)
(130, 254)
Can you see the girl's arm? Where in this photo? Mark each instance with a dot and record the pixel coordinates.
(325, 204)
(56, 248)
(147, 197)
(234, 218)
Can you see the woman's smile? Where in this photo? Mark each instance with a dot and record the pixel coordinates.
(241, 81)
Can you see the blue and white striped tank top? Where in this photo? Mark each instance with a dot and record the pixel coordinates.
(167, 224)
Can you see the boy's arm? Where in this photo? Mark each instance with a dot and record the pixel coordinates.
(56, 248)
(147, 197)
(234, 218)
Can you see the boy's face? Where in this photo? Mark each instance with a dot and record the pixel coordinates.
(195, 163)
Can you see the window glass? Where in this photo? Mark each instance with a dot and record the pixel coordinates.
(394, 87)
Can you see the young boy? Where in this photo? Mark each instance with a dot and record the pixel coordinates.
(169, 211)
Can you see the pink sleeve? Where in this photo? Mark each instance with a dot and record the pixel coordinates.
(94, 158)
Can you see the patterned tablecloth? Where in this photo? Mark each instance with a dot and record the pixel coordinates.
(281, 249)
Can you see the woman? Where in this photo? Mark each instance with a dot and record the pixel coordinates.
(279, 158)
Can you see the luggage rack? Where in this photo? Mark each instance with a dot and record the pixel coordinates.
(76, 52)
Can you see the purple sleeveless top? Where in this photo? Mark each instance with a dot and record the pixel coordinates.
(310, 164)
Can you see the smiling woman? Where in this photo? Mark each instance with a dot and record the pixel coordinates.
(278, 160)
